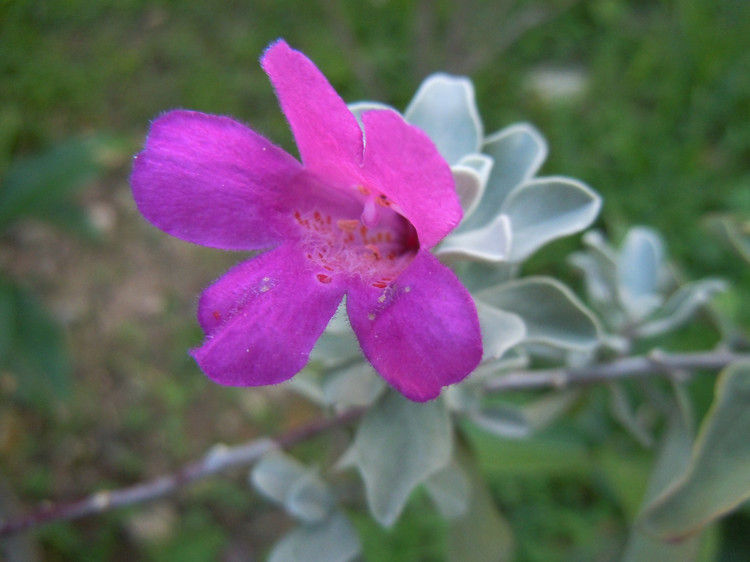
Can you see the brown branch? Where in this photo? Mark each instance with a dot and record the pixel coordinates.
(218, 459)
(222, 457)
(655, 363)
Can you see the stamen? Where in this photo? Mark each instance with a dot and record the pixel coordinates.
(371, 247)
(350, 225)
(374, 249)
(371, 213)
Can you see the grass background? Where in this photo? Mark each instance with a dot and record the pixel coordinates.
(660, 129)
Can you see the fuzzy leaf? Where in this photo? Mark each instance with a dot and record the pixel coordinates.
(332, 540)
(518, 152)
(638, 271)
(597, 277)
(309, 499)
(681, 306)
(552, 314)
(353, 385)
(338, 344)
(490, 243)
(500, 331)
(482, 535)
(502, 421)
(469, 187)
(399, 444)
(673, 457)
(477, 275)
(289, 483)
(718, 477)
(450, 490)
(544, 209)
(481, 164)
(445, 109)
(623, 412)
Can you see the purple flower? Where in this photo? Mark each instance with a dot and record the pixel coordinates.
(357, 218)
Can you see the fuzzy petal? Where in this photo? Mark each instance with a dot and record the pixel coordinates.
(403, 164)
(422, 332)
(328, 137)
(212, 181)
(262, 319)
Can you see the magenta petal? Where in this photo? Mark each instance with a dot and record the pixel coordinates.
(262, 319)
(422, 332)
(327, 134)
(403, 163)
(212, 181)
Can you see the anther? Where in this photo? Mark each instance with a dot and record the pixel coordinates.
(349, 225)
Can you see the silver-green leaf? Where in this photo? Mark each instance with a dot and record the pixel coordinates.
(673, 457)
(639, 270)
(490, 243)
(518, 152)
(450, 489)
(680, 306)
(469, 187)
(398, 445)
(289, 483)
(552, 314)
(483, 534)
(353, 385)
(445, 109)
(718, 477)
(501, 330)
(544, 209)
(332, 540)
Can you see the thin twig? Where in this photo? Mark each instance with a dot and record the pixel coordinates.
(218, 459)
(655, 363)
(222, 457)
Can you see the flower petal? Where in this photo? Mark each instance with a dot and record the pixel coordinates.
(402, 163)
(262, 319)
(422, 332)
(328, 137)
(212, 181)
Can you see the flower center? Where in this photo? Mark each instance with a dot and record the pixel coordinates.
(376, 246)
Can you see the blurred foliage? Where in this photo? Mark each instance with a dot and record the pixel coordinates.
(32, 348)
(659, 128)
(33, 355)
(41, 186)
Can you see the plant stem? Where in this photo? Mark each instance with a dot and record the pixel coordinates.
(218, 459)
(655, 363)
(221, 457)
